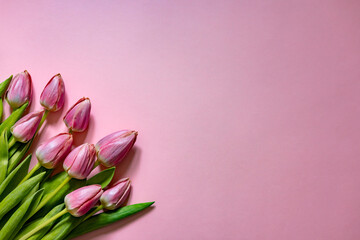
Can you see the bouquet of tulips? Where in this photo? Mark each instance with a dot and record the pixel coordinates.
(39, 204)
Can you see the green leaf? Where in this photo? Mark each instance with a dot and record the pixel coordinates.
(106, 218)
(103, 178)
(20, 216)
(1, 108)
(13, 118)
(47, 172)
(16, 158)
(29, 212)
(30, 226)
(4, 85)
(15, 148)
(14, 197)
(50, 185)
(14, 178)
(7, 216)
(33, 190)
(63, 228)
(3, 156)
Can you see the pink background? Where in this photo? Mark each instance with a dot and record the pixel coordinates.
(248, 111)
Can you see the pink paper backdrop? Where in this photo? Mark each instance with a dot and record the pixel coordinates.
(248, 111)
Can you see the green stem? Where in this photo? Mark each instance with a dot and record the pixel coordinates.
(33, 170)
(39, 227)
(43, 119)
(52, 194)
(93, 212)
(12, 141)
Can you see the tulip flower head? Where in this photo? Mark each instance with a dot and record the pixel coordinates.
(20, 90)
(116, 195)
(113, 148)
(24, 129)
(80, 161)
(53, 96)
(80, 201)
(53, 151)
(77, 117)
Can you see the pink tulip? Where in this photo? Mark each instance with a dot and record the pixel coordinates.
(116, 195)
(20, 90)
(53, 96)
(80, 161)
(80, 201)
(113, 148)
(77, 118)
(54, 150)
(24, 129)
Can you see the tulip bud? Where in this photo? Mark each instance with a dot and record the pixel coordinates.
(80, 161)
(53, 96)
(113, 148)
(77, 117)
(54, 150)
(116, 195)
(20, 90)
(80, 201)
(24, 129)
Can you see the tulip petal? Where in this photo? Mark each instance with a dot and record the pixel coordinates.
(54, 150)
(83, 199)
(80, 161)
(116, 194)
(77, 117)
(53, 96)
(24, 129)
(20, 90)
(113, 148)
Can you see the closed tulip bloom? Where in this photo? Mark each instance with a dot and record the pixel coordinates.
(53, 151)
(80, 201)
(20, 90)
(24, 129)
(77, 118)
(53, 96)
(116, 195)
(80, 161)
(113, 148)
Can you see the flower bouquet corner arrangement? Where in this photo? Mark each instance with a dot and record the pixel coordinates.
(38, 204)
